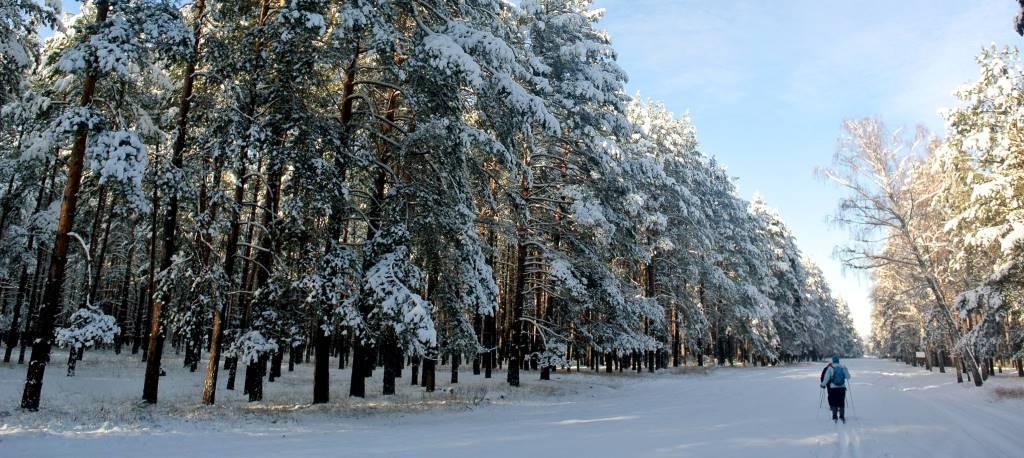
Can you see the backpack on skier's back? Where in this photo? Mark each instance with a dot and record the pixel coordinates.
(839, 376)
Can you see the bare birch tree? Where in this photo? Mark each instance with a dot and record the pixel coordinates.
(885, 215)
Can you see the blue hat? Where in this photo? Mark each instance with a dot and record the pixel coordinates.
(835, 359)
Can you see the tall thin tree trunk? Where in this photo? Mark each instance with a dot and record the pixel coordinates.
(262, 270)
(122, 309)
(230, 250)
(490, 343)
(101, 256)
(8, 202)
(144, 299)
(959, 373)
(387, 347)
(170, 223)
(415, 370)
(321, 342)
(518, 344)
(230, 246)
(94, 237)
(23, 277)
(429, 367)
(35, 293)
(44, 325)
(490, 337)
(456, 360)
(478, 329)
(12, 333)
(676, 346)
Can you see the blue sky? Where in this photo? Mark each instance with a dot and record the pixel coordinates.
(768, 83)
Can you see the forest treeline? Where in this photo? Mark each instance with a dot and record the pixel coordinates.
(390, 182)
(939, 222)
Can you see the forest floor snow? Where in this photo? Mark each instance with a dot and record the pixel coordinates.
(894, 410)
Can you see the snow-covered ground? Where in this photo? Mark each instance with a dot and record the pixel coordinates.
(896, 410)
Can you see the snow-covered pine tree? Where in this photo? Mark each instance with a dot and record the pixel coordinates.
(571, 220)
(981, 164)
(469, 170)
(784, 260)
(20, 24)
(111, 49)
(668, 146)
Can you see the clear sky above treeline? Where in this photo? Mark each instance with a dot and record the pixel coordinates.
(768, 84)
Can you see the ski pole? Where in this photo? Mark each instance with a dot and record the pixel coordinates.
(821, 397)
(849, 390)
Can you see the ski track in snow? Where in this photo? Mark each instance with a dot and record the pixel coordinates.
(893, 410)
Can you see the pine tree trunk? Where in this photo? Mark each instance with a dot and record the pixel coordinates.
(322, 364)
(363, 354)
(34, 295)
(650, 291)
(415, 370)
(170, 222)
(151, 284)
(490, 343)
(676, 345)
(399, 360)
(122, 309)
(8, 203)
(213, 361)
(346, 344)
(275, 364)
(264, 266)
(247, 276)
(94, 234)
(219, 319)
(478, 329)
(390, 369)
(518, 344)
(456, 360)
(429, 366)
(44, 325)
(490, 324)
(357, 384)
(72, 359)
(139, 304)
(321, 342)
(101, 256)
(12, 333)
(959, 373)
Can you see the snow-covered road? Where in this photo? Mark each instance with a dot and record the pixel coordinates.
(896, 411)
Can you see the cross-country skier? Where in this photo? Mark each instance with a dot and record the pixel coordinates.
(834, 379)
